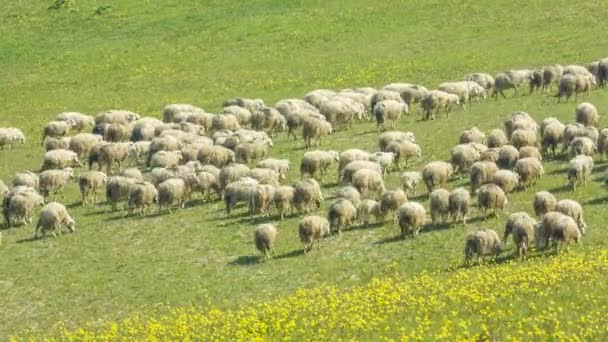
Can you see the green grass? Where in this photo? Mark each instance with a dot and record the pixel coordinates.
(142, 56)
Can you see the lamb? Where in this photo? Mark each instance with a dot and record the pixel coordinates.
(307, 194)
(166, 159)
(465, 90)
(351, 155)
(19, 205)
(491, 198)
(216, 155)
(311, 229)
(264, 237)
(523, 137)
(368, 208)
(53, 181)
(141, 195)
(519, 120)
(112, 155)
(463, 156)
(223, 121)
(579, 170)
(52, 217)
(552, 74)
(573, 209)
(83, 143)
(574, 84)
(529, 170)
(484, 80)
(56, 129)
(89, 183)
(411, 218)
(10, 136)
(507, 180)
(245, 153)
(480, 243)
(56, 143)
(391, 200)
(346, 175)
(511, 79)
(26, 178)
(459, 204)
(552, 135)
(602, 144)
(341, 213)
(440, 205)
(79, 120)
(265, 176)
(556, 227)
(586, 114)
(436, 174)
(232, 173)
(388, 137)
(317, 161)
(582, 146)
(530, 152)
(403, 151)
(261, 199)
(508, 156)
(283, 199)
(116, 116)
(471, 135)
(482, 173)
(117, 190)
(315, 129)
(521, 226)
(171, 192)
(59, 159)
(349, 193)
(366, 181)
(409, 180)
(389, 110)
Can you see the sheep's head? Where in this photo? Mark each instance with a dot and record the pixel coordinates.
(71, 224)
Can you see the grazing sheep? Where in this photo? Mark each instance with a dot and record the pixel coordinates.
(368, 208)
(552, 134)
(551, 75)
(341, 112)
(265, 176)
(250, 152)
(508, 156)
(132, 172)
(166, 159)
(26, 178)
(511, 79)
(530, 152)
(118, 133)
(368, 181)
(83, 143)
(264, 237)
(521, 226)
(56, 129)
(389, 110)
(172, 192)
(391, 200)
(523, 137)
(491, 198)
(411, 218)
(579, 170)
(346, 175)
(482, 173)
(602, 143)
(290, 106)
(52, 217)
(507, 180)
(243, 115)
(204, 182)
(543, 203)
(307, 194)
(280, 166)
(10, 136)
(239, 191)
(56, 143)
(53, 181)
(529, 170)
(283, 199)
(141, 195)
(582, 146)
(112, 155)
(89, 183)
(59, 159)
(385, 159)
(383, 95)
(459, 203)
(519, 120)
(471, 135)
(586, 114)
(558, 228)
(436, 174)
(117, 190)
(436, 100)
(349, 193)
(216, 155)
(484, 80)
(465, 90)
(317, 161)
(232, 173)
(351, 155)
(341, 213)
(439, 201)
(573, 209)
(79, 120)
(574, 84)
(315, 129)
(536, 80)
(409, 180)
(311, 229)
(261, 199)
(463, 156)
(546, 122)
(388, 137)
(480, 243)
(224, 121)
(404, 151)
(116, 116)
(19, 205)
(491, 155)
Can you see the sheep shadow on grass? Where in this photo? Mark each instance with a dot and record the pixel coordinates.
(295, 253)
(391, 239)
(246, 260)
(561, 189)
(597, 201)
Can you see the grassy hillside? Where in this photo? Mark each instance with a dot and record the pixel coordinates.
(90, 56)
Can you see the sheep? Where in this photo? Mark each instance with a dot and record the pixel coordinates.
(351, 155)
(521, 226)
(56, 129)
(582, 146)
(312, 228)
(586, 114)
(53, 181)
(491, 198)
(471, 135)
(436, 174)
(204, 182)
(341, 213)
(530, 152)
(317, 161)
(166, 159)
(52, 217)
(218, 156)
(556, 227)
(56, 143)
(250, 104)
(307, 194)
(250, 152)
(602, 72)
(79, 120)
(465, 90)
(508, 156)
(288, 106)
(132, 173)
(224, 121)
(341, 112)
(366, 181)
(273, 120)
(536, 80)
(523, 137)
(317, 97)
(283, 199)
(459, 204)
(116, 116)
(10, 136)
(391, 200)
(25, 178)
(141, 195)
(389, 110)
(552, 74)
(439, 203)
(232, 173)
(315, 129)
(552, 135)
(171, 112)
(571, 84)
(482, 173)
(573, 209)
(574, 69)
(519, 120)
(19, 205)
(480, 243)
(243, 115)
(409, 180)
(83, 143)
(89, 183)
(112, 155)
(484, 80)
(264, 237)
(117, 190)
(349, 193)
(575, 130)
(511, 79)
(543, 203)
(172, 192)
(382, 95)
(118, 133)
(59, 159)
(261, 199)
(346, 175)
(368, 208)
(602, 143)
(463, 156)
(579, 170)
(265, 176)
(404, 151)
(546, 122)
(411, 218)
(507, 180)
(413, 94)
(436, 100)
(491, 154)
(388, 137)
(529, 170)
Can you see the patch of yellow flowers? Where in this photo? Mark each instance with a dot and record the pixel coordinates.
(559, 298)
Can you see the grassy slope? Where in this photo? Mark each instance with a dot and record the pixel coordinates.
(141, 57)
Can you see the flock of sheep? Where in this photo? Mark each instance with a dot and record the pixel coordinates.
(225, 156)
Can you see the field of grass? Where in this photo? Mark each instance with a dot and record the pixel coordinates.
(91, 56)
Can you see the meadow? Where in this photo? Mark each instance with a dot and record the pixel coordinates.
(91, 56)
